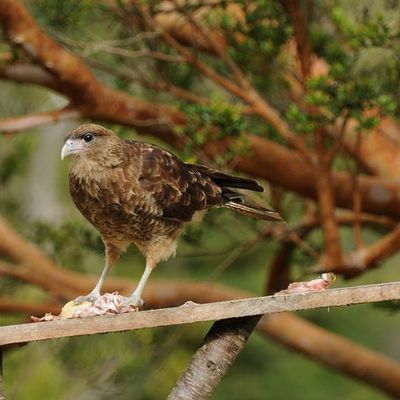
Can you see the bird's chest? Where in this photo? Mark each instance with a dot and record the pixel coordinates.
(117, 207)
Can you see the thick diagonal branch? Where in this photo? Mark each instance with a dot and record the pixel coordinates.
(212, 360)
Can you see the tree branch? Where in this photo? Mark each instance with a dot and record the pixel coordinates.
(189, 313)
(366, 258)
(212, 360)
(299, 21)
(17, 124)
(333, 351)
(29, 73)
(332, 257)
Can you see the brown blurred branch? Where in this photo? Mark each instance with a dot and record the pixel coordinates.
(28, 73)
(279, 269)
(326, 200)
(366, 258)
(300, 24)
(333, 350)
(287, 169)
(76, 81)
(12, 306)
(184, 31)
(16, 124)
(332, 256)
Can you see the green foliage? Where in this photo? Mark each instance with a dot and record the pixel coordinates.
(340, 93)
(69, 241)
(66, 15)
(371, 31)
(219, 118)
(180, 74)
(300, 121)
(256, 38)
(213, 122)
(14, 157)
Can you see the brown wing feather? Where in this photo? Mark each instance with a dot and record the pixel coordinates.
(177, 188)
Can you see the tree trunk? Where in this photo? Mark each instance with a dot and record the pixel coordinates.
(213, 359)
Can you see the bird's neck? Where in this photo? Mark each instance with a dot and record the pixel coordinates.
(84, 169)
(91, 171)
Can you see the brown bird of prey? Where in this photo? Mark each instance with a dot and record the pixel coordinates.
(134, 192)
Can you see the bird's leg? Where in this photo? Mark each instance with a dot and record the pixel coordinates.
(112, 255)
(95, 293)
(135, 298)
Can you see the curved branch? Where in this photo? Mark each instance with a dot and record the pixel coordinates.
(29, 73)
(16, 124)
(76, 81)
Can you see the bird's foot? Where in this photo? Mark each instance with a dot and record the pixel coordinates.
(134, 301)
(90, 298)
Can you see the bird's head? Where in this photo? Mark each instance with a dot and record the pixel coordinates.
(89, 141)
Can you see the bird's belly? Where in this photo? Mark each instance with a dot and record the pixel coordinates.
(114, 222)
(154, 237)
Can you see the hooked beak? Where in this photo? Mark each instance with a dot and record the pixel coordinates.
(71, 147)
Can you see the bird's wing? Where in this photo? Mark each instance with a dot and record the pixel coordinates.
(177, 188)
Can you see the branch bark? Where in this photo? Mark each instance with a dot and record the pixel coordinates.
(17, 124)
(332, 257)
(296, 14)
(217, 353)
(367, 258)
(189, 313)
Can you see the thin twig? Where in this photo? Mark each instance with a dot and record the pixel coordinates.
(357, 197)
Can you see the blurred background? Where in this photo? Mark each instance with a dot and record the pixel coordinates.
(301, 95)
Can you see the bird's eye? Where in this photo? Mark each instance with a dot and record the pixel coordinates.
(88, 137)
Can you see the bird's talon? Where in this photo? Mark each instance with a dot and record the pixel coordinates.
(91, 298)
(133, 301)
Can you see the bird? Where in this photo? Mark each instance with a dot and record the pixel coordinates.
(139, 193)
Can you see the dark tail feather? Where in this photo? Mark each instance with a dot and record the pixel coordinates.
(225, 180)
(235, 201)
(254, 211)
